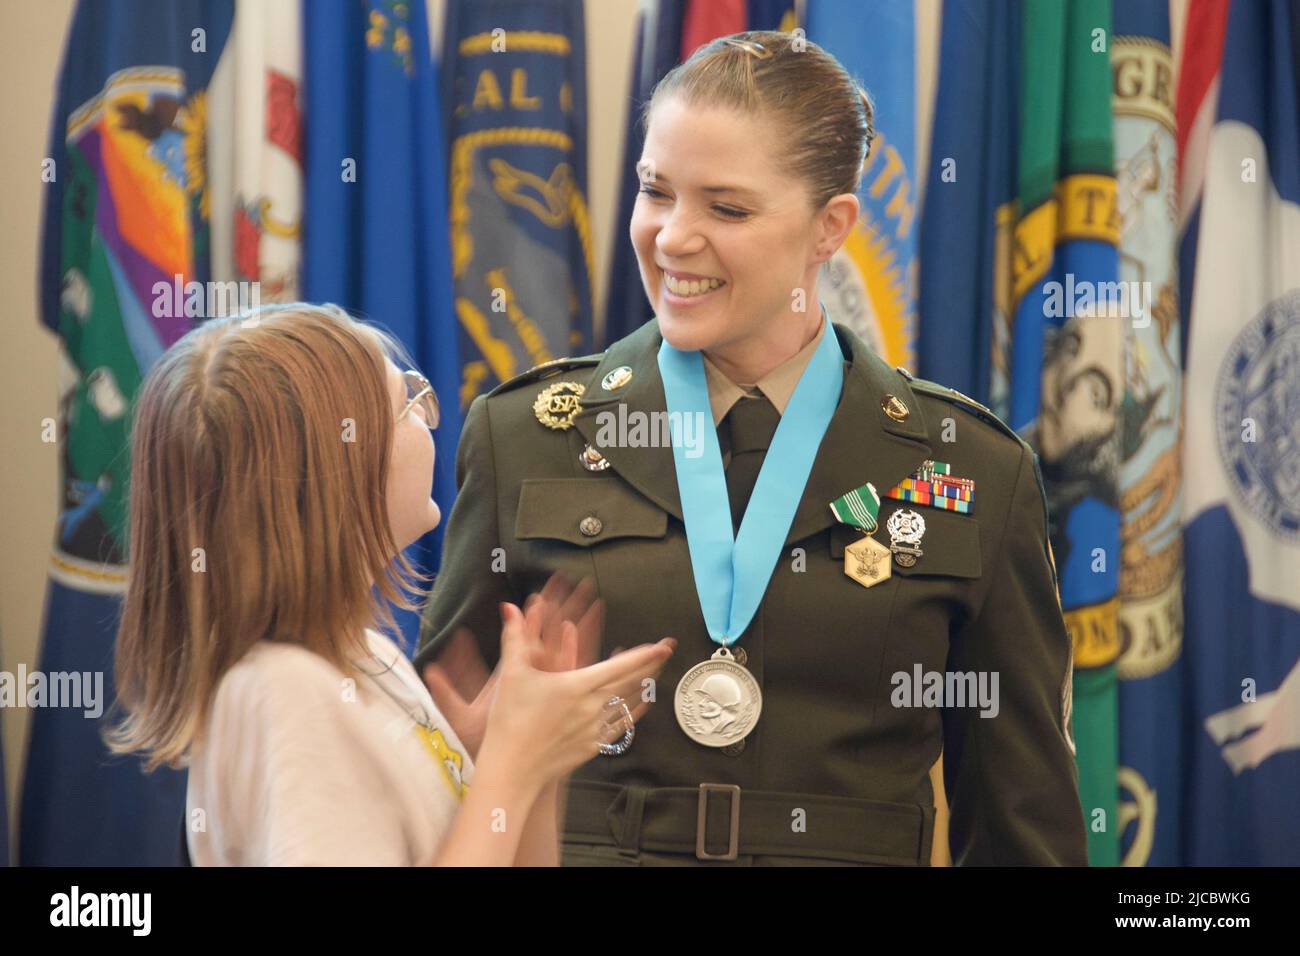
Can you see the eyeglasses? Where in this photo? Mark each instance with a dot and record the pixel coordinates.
(420, 392)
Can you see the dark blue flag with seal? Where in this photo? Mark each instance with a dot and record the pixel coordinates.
(375, 232)
(515, 94)
(127, 208)
(1241, 718)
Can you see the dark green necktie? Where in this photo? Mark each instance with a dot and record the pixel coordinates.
(748, 431)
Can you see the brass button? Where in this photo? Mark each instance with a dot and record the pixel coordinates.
(590, 526)
(736, 749)
(894, 408)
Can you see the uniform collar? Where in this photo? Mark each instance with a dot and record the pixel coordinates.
(777, 385)
(862, 443)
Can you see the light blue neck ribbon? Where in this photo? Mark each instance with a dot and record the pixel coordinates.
(732, 573)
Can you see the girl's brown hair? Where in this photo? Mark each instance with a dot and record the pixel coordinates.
(260, 455)
(821, 117)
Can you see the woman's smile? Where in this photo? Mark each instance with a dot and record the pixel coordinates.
(686, 293)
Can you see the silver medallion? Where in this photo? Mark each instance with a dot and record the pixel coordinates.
(717, 701)
(906, 529)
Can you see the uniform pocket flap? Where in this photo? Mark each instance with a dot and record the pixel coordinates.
(586, 511)
(950, 545)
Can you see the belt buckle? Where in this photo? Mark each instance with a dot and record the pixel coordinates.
(733, 843)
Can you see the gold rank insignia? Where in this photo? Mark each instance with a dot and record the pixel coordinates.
(557, 405)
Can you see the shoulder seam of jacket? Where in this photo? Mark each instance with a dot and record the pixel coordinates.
(545, 370)
(968, 404)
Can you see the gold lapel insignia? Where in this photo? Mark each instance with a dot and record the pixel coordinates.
(617, 378)
(557, 405)
(894, 408)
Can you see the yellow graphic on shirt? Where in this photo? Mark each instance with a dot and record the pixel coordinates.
(448, 759)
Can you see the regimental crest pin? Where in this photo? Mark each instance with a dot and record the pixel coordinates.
(558, 404)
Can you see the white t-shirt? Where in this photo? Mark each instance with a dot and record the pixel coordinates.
(301, 766)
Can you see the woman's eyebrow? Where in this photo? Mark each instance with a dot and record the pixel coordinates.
(738, 190)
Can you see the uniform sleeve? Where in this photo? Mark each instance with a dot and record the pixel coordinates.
(1011, 779)
(468, 589)
(300, 782)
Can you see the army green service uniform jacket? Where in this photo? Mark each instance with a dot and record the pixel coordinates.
(834, 771)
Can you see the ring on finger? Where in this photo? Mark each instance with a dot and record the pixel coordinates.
(629, 729)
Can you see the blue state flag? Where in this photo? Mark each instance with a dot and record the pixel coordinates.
(968, 208)
(515, 88)
(1242, 478)
(870, 282)
(375, 232)
(125, 209)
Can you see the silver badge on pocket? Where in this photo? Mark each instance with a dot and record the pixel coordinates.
(906, 528)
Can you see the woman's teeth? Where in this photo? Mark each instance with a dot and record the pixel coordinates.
(687, 288)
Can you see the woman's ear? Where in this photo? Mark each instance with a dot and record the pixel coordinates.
(837, 220)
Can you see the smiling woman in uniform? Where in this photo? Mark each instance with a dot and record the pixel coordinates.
(833, 571)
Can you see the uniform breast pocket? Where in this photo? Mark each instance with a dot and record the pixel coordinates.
(586, 512)
(606, 528)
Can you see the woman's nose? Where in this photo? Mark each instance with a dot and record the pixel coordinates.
(678, 235)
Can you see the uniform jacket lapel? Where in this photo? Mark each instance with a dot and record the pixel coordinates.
(862, 443)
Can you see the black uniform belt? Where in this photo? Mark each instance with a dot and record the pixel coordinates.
(717, 821)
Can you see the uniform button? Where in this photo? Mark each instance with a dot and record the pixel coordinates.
(590, 526)
(736, 749)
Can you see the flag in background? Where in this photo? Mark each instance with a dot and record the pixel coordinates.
(127, 209)
(970, 202)
(1018, 280)
(255, 150)
(870, 282)
(375, 233)
(1067, 347)
(709, 19)
(658, 41)
(1151, 554)
(1196, 104)
(666, 29)
(1242, 479)
(515, 83)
